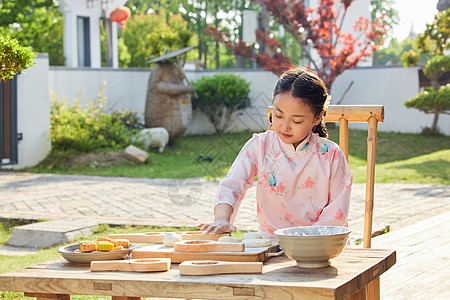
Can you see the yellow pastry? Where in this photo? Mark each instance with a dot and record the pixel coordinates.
(105, 246)
(87, 246)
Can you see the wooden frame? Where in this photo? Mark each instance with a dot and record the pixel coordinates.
(372, 114)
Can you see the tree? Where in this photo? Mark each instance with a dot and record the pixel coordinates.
(410, 58)
(320, 29)
(391, 55)
(432, 102)
(13, 58)
(384, 10)
(433, 41)
(149, 35)
(436, 37)
(37, 24)
(435, 67)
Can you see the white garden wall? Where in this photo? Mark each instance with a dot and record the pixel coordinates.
(127, 88)
(388, 86)
(33, 114)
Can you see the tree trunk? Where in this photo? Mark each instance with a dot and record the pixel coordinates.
(216, 23)
(205, 50)
(435, 121)
(264, 18)
(240, 61)
(200, 34)
(435, 83)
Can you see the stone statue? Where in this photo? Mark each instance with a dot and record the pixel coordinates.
(168, 102)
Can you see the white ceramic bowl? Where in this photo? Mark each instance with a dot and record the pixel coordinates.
(312, 246)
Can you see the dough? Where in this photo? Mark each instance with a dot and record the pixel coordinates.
(251, 235)
(228, 239)
(171, 238)
(255, 243)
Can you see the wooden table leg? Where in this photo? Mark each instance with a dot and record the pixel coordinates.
(373, 289)
(359, 295)
(42, 296)
(369, 292)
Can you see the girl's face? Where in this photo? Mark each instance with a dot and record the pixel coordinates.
(292, 120)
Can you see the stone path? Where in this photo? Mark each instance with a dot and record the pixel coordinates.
(187, 202)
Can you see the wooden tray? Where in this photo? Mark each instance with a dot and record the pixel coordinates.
(158, 237)
(248, 255)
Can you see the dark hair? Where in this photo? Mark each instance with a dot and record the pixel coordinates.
(304, 84)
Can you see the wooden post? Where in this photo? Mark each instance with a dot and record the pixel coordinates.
(343, 136)
(373, 288)
(370, 180)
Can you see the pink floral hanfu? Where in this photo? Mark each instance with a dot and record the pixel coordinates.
(309, 185)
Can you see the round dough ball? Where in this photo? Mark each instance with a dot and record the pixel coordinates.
(171, 238)
(255, 243)
(229, 239)
(251, 235)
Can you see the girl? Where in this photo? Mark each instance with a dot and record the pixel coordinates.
(303, 178)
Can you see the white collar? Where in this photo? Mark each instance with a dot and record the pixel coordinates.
(301, 149)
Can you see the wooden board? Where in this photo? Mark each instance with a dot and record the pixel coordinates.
(158, 237)
(212, 267)
(132, 265)
(207, 246)
(248, 255)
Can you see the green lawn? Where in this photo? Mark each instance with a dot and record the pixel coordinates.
(406, 158)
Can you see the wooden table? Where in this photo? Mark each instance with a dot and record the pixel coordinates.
(281, 279)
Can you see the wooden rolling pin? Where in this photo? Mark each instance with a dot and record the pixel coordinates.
(211, 267)
(207, 246)
(132, 265)
(158, 237)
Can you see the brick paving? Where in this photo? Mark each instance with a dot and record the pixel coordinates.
(187, 202)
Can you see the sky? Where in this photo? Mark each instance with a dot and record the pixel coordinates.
(415, 12)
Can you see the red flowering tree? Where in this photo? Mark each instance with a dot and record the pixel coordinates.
(320, 29)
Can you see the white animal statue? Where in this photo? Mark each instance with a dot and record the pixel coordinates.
(154, 137)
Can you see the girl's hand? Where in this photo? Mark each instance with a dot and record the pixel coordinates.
(217, 227)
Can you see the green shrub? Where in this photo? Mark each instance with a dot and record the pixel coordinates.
(13, 57)
(127, 118)
(436, 66)
(410, 58)
(219, 96)
(88, 128)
